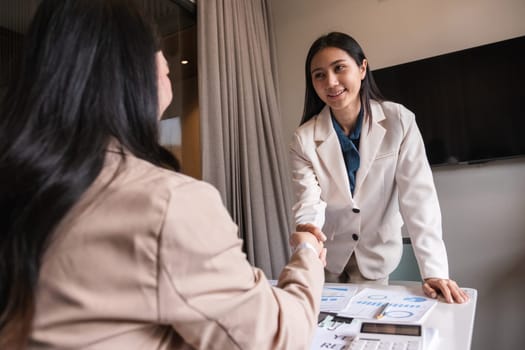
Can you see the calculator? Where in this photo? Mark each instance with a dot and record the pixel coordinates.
(387, 336)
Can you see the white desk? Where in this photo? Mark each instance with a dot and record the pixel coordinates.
(454, 322)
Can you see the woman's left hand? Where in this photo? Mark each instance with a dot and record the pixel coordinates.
(446, 287)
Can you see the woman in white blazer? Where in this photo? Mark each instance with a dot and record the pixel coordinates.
(360, 171)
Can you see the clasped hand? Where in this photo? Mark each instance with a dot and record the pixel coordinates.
(308, 233)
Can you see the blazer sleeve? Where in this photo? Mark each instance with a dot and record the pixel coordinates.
(213, 297)
(309, 208)
(418, 201)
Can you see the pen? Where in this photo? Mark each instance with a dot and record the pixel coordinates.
(382, 311)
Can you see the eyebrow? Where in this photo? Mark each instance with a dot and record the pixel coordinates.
(331, 64)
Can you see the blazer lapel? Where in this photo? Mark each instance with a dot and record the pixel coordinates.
(329, 151)
(371, 137)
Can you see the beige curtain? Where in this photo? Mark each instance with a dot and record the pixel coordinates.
(242, 150)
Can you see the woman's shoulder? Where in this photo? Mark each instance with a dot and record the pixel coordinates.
(392, 113)
(392, 109)
(318, 123)
(157, 179)
(147, 191)
(307, 126)
(393, 116)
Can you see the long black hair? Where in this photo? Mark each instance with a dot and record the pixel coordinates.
(369, 90)
(87, 78)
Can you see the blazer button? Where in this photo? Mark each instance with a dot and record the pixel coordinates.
(355, 236)
(356, 210)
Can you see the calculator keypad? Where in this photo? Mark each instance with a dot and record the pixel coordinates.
(376, 344)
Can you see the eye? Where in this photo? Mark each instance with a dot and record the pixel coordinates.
(318, 75)
(339, 68)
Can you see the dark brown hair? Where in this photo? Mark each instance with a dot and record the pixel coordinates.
(369, 90)
(88, 76)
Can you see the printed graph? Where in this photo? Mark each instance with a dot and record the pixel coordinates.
(401, 307)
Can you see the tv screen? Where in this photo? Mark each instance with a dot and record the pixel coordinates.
(469, 104)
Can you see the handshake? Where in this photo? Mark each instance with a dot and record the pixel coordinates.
(309, 236)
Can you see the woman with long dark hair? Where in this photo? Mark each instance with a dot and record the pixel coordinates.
(103, 243)
(360, 172)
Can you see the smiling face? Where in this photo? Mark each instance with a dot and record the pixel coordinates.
(336, 78)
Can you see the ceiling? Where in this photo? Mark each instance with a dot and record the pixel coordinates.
(176, 20)
(171, 15)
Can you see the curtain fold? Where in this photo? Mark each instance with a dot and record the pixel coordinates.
(243, 153)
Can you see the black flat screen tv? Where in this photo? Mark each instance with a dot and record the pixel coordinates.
(469, 104)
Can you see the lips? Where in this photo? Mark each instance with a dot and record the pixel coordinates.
(335, 94)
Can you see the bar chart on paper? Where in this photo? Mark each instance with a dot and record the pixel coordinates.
(402, 307)
(336, 296)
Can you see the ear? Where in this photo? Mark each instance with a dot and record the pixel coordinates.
(362, 68)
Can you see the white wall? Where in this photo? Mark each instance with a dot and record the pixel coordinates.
(483, 205)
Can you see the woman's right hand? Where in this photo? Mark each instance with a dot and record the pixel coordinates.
(311, 234)
(316, 231)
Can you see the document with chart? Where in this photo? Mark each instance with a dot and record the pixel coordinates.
(336, 296)
(400, 306)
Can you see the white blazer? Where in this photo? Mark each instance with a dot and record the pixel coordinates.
(394, 184)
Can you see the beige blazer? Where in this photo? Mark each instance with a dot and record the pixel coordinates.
(150, 259)
(393, 184)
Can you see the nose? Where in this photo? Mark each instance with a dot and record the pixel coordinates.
(332, 79)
